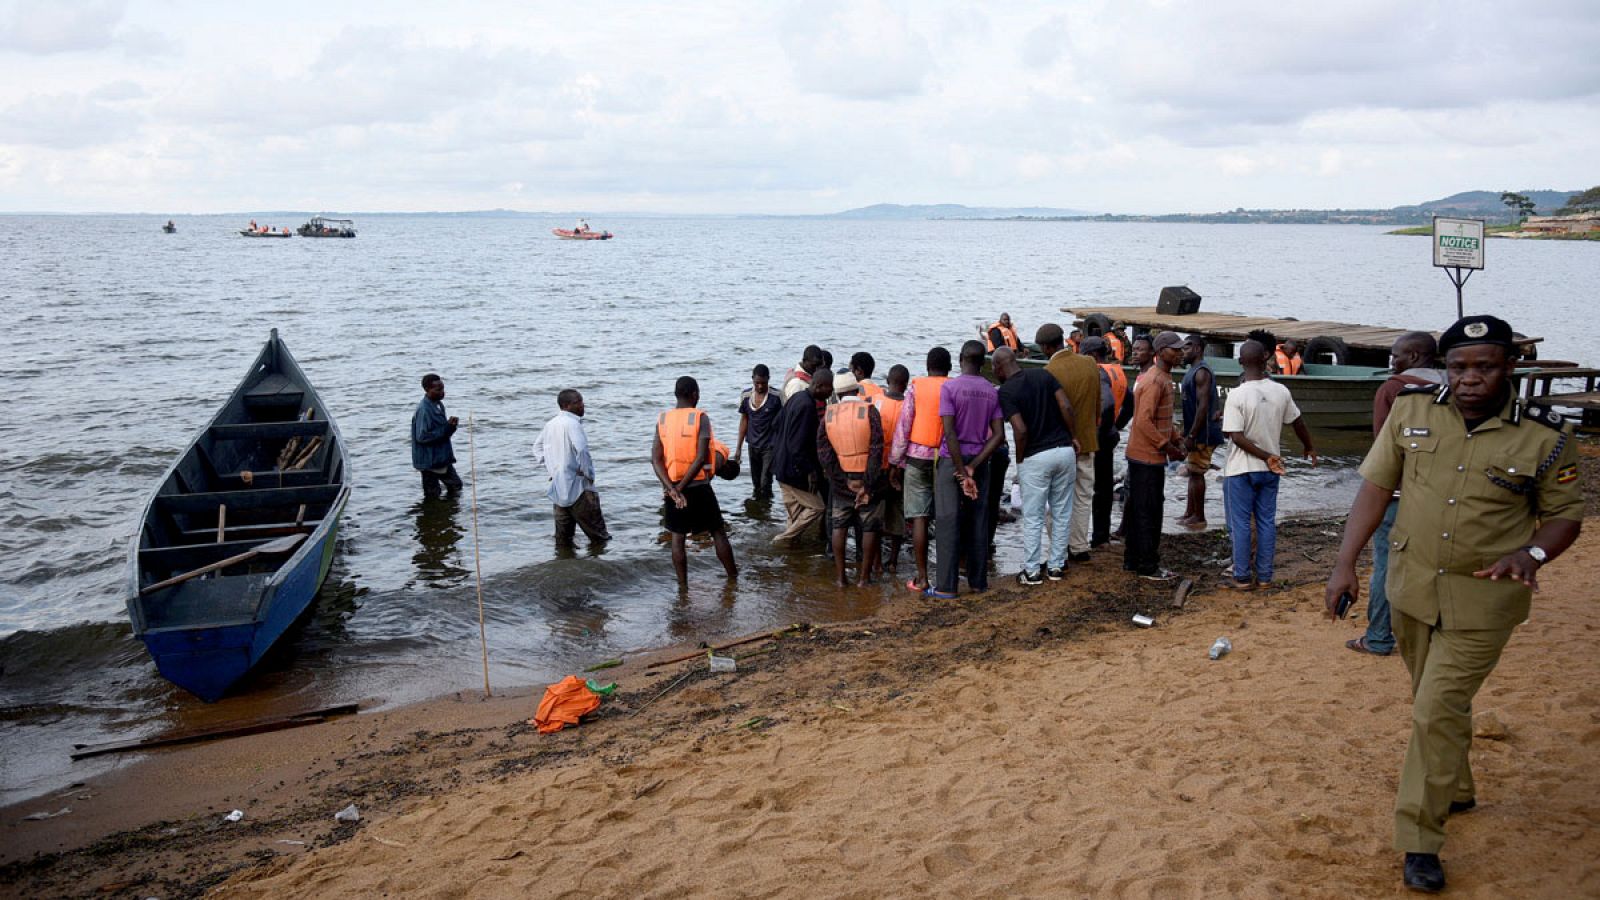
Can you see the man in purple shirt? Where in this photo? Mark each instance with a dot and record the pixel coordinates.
(970, 408)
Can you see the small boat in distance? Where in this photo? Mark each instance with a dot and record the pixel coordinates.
(581, 232)
(170, 228)
(238, 535)
(323, 227)
(257, 231)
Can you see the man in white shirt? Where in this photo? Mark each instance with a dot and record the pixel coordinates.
(565, 453)
(1253, 419)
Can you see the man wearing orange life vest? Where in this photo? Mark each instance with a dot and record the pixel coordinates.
(1002, 334)
(1288, 357)
(917, 438)
(683, 455)
(891, 405)
(861, 366)
(850, 448)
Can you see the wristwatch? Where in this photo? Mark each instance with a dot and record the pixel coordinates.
(1537, 552)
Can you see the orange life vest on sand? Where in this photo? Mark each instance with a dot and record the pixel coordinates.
(679, 430)
(1289, 365)
(1006, 334)
(889, 410)
(849, 428)
(1119, 387)
(927, 428)
(870, 391)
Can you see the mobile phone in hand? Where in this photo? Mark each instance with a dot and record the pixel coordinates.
(1346, 599)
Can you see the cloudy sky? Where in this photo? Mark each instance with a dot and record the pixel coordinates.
(746, 106)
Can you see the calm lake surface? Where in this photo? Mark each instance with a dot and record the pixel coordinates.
(122, 341)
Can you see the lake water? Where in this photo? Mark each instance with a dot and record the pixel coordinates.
(122, 341)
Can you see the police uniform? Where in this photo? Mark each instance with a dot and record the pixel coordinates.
(1470, 499)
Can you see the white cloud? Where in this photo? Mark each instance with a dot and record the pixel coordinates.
(865, 50)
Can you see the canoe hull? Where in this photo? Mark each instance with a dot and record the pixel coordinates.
(567, 234)
(207, 633)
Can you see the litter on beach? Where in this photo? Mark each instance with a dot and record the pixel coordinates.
(1143, 621)
(348, 814)
(235, 816)
(722, 663)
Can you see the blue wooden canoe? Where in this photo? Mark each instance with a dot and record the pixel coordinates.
(269, 466)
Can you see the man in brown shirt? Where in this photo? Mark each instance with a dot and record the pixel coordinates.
(1080, 381)
(1152, 441)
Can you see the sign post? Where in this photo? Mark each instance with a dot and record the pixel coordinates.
(1458, 248)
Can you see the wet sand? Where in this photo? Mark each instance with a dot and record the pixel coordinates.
(1030, 742)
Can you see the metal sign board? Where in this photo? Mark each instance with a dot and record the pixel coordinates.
(1457, 243)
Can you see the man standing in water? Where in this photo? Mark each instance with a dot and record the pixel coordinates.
(795, 455)
(1202, 427)
(916, 450)
(758, 416)
(682, 458)
(431, 452)
(564, 448)
(850, 448)
(1490, 496)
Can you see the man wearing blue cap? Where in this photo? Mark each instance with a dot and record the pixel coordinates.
(1491, 495)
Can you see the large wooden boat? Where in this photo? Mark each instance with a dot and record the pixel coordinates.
(238, 535)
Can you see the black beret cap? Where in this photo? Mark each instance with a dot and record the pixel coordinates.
(1477, 330)
(1092, 345)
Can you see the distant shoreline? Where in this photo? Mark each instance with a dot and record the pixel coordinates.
(1511, 232)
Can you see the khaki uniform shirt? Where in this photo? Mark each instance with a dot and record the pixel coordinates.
(1470, 499)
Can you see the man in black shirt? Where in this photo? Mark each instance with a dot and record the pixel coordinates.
(1047, 461)
(794, 455)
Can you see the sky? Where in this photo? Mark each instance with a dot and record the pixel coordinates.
(1128, 106)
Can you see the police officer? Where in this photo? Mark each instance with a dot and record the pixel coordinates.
(1491, 495)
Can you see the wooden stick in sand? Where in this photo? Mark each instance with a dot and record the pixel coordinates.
(765, 635)
(477, 558)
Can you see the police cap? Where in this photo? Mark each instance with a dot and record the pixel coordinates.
(1477, 330)
(1092, 345)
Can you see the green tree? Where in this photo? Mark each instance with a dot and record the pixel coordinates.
(1521, 206)
(1588, 201)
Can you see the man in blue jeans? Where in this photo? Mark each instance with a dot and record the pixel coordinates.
(1253, 419)
(1414, 360)
(1033, 401)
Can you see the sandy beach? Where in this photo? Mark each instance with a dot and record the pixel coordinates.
(1025, 743)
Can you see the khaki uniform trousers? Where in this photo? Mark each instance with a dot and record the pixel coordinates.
(1082, 505)
(805, 508)
(1447, 668)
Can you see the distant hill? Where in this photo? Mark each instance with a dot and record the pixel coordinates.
(1487, 203)
(954, 211)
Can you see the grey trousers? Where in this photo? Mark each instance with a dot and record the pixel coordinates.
(583, 513)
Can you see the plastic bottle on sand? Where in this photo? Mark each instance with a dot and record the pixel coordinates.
(1221, 648)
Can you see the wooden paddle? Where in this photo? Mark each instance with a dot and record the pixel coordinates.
(281, 545)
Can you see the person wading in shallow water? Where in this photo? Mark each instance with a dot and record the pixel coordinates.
(1490, 495)
(682, 456)
(564, 449)
(850, 448)
(431, 452)
(915, 450)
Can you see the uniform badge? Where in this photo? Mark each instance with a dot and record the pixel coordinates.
(1476, 330)
(1553, 417)
(1567, 474)
(1416, 432)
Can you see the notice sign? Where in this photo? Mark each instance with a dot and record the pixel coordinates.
(1458, 243)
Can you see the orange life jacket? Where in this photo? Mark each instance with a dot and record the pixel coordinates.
(1119, 387)
(1006, 334)
(849, 428)
(927, 428)
(1119, 350)
(889, 411)
(679, 430)
(1289, 365)
(870, 391)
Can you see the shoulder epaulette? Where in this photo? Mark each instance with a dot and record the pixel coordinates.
(1420, 389)
(1544, 415)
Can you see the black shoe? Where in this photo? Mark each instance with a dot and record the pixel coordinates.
(1055, 574)
(1078, 557)
(1423, 873)
(1461, 806)
(1030, 578)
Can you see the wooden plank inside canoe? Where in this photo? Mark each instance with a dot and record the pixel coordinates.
(256, 498)
(246, 431)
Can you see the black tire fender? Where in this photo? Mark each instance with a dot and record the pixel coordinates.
(1318, 348)
(1096, 324)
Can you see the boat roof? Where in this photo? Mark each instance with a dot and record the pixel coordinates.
(1230, 327)
(328, 219)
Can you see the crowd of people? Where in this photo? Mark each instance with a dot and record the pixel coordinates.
(1467, 490)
